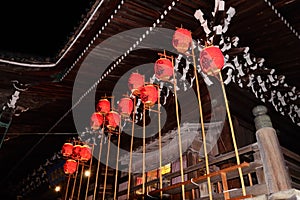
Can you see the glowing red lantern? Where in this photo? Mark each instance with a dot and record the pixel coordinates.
(182, 40)
(113, 120)
(103, 106)
(135, 82)
(67, 149)
(85, 153)
(149, 95)
(211, 60)
(125, 106)
(96, 120)
(76, 151)
(70, 166)
(163, 69)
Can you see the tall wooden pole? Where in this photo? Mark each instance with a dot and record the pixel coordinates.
(74, 183)
(67, 187)
(202, 124)
(179, 134)
(106, 166)
(89, 177)
(131, 148)
(159, 144)
(99, 161)
(117, 163)
(276, 175)
(144, 152)
(233, 135)
(80, 182)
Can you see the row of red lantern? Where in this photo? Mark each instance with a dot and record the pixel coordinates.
(125, 106)
(78, 152)
(147, 93)
(211, 57)
(111, 119)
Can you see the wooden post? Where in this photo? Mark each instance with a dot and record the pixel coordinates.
(275, 171)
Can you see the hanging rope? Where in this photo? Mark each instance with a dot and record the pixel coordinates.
(202, 124)
(131, 148)
(179, 134)
(233, 135)
(106, 167)
(90, 170)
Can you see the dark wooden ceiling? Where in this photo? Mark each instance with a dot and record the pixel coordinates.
(41, 130)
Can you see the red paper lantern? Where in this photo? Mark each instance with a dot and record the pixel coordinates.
(182, 40)
(211, 60)
(76, 151)
(135, 82)
(163, 69)
(125, 106)
(67, 149)
(113, 120)
(85, 153)
(70, 166)
(103, 106)
(96, 120)
(149, 95)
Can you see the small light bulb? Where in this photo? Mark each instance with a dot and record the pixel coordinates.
(57, 188)
(87, 173)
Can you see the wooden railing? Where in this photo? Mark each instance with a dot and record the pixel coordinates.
(254, 169)
(292, 161)
(217, 178)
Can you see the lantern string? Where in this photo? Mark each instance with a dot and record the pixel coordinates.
(67, 187)
(202, 124)
(131, 147)
(99, 160)
(98, 81)
(282, 18)
(75, 180)
(80, 182)
(144, 151)
(90, 169)
(117, 162)
(179, 134)
(106, 167)
(232, 135)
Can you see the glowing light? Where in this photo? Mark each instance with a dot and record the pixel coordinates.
(57, 188)
(87, 173)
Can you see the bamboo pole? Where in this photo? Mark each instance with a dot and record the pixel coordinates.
(74, 183)
(202, 124)
(233, 135)
(131, 148)
(106, 167)
(144, 152)
(179, 134)
(99, 161)
(90, 169)
(159, 144)
(80, 182)
(67, 187)
(117, 164)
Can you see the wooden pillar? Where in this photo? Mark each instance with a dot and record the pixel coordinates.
(275, 171)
